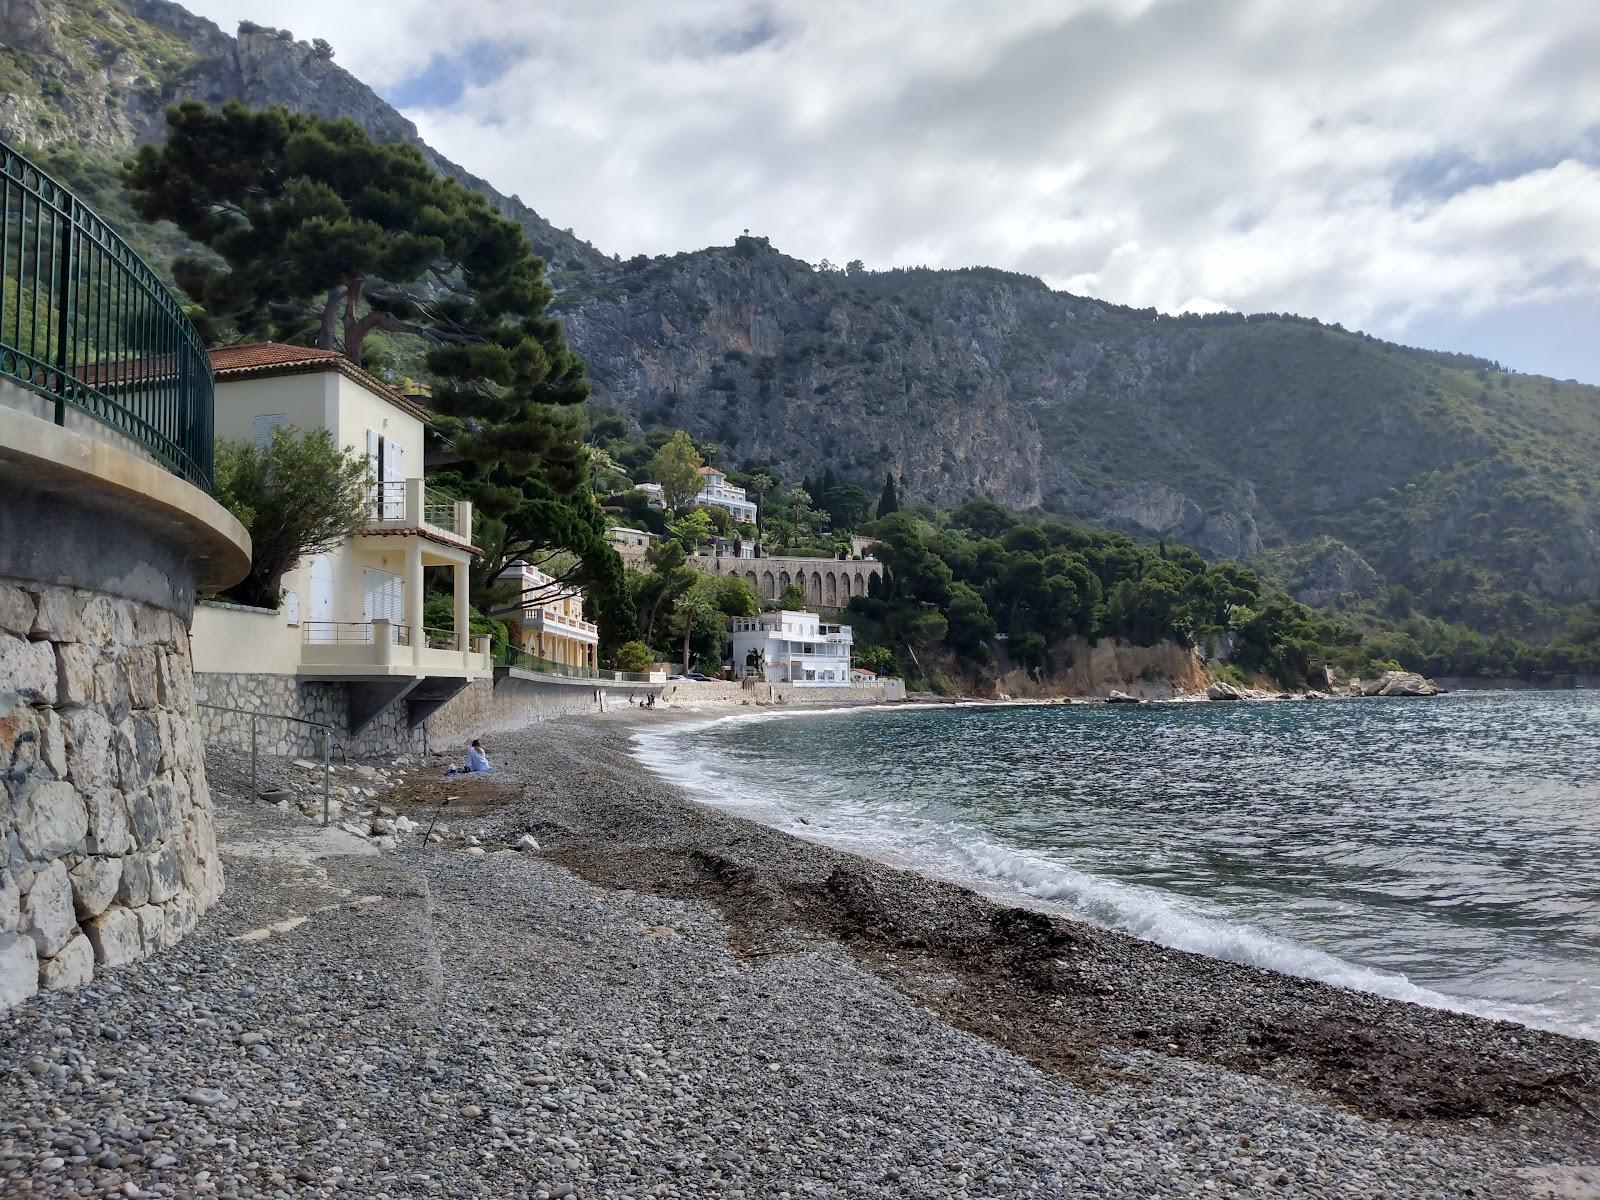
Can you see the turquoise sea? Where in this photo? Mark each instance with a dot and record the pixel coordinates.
(1445, 851)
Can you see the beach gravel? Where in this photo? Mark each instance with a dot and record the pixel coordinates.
(425, 1022)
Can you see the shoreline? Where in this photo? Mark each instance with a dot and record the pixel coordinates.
(1060, 992)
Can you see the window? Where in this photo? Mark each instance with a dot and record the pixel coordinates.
(264, 424)
(386, 466)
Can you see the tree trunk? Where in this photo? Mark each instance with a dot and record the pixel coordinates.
(329, 331)
(687, 630)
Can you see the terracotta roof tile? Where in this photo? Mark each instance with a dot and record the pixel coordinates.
(277, 358)
(266, 354)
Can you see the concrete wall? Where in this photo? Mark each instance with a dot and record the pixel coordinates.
(723, 693)
(511, 703)
(241, 640)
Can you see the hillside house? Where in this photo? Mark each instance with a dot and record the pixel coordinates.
(353, 615)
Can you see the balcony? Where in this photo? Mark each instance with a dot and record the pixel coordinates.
(409, 504)
(540, 621)
(91, 331)
(386, 647)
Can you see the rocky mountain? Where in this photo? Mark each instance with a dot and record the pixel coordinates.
(96, 75)
(1267, 437)
(1234, 434)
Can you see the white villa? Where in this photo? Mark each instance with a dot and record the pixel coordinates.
(791, 647)
(551, 626)
(716, 490)
(353, 614)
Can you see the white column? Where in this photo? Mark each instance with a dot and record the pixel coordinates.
(413, 503)
(414, 597)
(463, 622)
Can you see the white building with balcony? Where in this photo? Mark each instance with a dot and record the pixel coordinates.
(549, 622)
(791, 647)
(353, 614)
(715, 490)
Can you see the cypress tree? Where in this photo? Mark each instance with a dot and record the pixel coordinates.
(889, 502)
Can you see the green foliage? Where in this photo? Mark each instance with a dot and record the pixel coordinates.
(699, 619)
(439, 612)
(691, 530)
(676, 467)
(633, 656)
(299, 496)
(989, 572)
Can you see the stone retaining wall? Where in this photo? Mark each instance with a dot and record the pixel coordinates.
(512, 703)
(108, 847)
(279, 697)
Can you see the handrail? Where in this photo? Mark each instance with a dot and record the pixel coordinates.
(87, 323)
(510, 656)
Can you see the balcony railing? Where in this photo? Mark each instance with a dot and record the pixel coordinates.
(353, 633)
(510, 656)
(390, 502)
(86, 323)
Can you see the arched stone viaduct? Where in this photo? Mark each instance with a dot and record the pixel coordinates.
(827, 582)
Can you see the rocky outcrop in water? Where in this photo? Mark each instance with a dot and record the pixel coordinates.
(1398, 683)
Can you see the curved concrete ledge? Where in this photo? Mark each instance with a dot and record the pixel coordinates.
(40, 456)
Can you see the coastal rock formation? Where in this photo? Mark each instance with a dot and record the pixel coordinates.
(1144, 672)
(1398, 683)
(108, 850)
(1223, 690)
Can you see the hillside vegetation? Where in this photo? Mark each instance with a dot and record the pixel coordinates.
(1461, 490)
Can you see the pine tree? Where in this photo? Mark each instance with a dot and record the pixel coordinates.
(889, 502)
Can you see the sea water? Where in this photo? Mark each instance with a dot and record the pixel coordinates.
(1445, 851)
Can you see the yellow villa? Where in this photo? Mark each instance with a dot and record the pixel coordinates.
(549, 623)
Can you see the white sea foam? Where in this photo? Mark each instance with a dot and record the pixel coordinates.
(962, 854)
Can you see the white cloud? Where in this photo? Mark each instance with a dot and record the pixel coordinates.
(1368, 162)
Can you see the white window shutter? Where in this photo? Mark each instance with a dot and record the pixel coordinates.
(264, 424)
(394, 474)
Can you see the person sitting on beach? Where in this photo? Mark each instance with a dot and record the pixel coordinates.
(477, 761)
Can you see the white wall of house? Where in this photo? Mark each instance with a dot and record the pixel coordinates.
(377, 575)
(796, 647)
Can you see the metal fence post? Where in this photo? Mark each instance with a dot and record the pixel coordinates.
(255, 787)
(327, 767)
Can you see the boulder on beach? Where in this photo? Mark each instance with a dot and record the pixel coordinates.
(1223, 690)
(1122, 698)
(1400, 683)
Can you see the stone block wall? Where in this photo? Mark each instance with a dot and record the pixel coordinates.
(388, 735)
(107, 848)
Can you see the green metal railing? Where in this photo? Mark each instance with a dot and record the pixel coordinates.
(510, 656)
(86, 323)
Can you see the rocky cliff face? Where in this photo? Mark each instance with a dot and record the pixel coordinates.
(100, 75)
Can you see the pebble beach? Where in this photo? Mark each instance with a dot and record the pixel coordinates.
(666, 1000)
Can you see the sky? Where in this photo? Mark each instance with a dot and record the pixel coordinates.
(1426, 171)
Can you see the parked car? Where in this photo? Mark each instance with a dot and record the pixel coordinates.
(699, 678)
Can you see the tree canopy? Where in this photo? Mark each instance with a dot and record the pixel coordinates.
(319, 234)
(299, 495)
